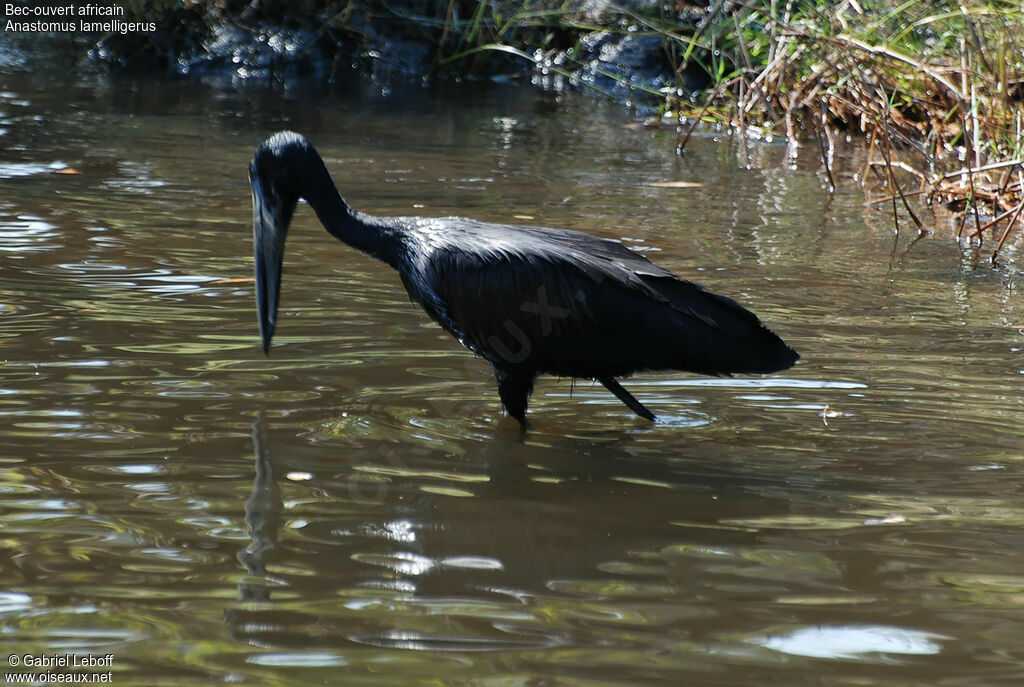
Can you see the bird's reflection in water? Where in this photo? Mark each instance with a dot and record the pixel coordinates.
(262, 521)
(547, 526)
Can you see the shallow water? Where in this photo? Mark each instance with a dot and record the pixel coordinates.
(354, 509)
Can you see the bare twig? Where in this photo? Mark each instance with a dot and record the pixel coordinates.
(707, 103)
(826, 153)
(890, 198)
(984, 168)
(886, 149)
(917, 65)
(991, 223)
(1006, 232)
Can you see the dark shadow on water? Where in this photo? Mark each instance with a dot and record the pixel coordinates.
(262, 520)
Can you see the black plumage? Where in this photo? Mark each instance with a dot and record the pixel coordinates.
(529, 300)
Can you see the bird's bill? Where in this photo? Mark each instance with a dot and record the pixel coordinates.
(268, 234)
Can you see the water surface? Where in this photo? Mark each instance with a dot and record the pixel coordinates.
(354, 509)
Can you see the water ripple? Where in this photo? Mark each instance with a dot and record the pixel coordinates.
(21, 234)
(853, 642)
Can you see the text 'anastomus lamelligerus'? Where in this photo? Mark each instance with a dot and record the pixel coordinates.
(529, 300)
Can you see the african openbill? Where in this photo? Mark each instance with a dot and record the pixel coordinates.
(529, 300)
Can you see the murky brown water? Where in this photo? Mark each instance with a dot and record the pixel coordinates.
(355, 510)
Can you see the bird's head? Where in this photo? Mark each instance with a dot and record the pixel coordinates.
(276, 174)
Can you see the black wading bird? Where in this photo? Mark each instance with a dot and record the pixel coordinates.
(529, 300)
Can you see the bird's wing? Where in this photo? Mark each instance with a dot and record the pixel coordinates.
(572, 304)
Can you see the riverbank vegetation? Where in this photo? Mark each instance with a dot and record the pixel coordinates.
(935, 88)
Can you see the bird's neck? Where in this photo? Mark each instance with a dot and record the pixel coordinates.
(374, 236)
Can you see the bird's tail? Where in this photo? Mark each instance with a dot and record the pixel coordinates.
(719, 336)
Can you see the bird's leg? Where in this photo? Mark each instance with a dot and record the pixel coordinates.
(626, 397)
(514, 390)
